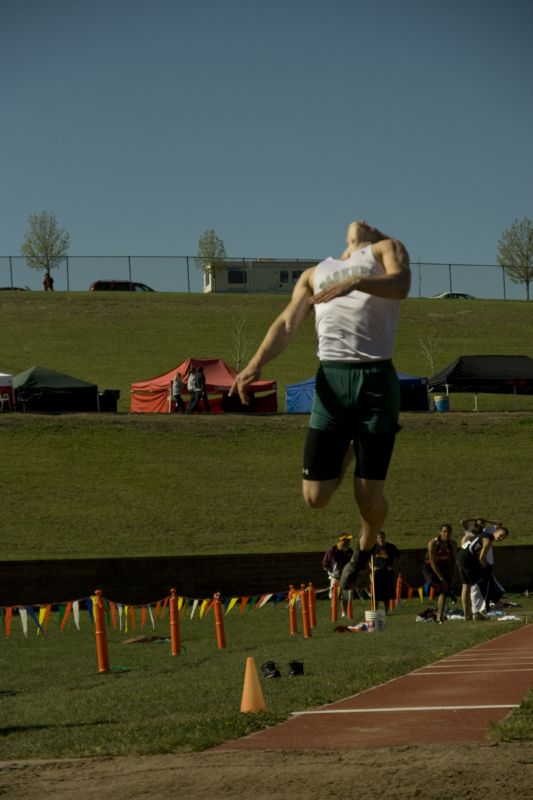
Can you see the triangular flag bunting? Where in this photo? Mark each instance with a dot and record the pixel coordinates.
(23, 614)
(264, 600)
(66, 615)
(232, 603)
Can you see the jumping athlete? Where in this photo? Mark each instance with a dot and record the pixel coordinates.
(356, 404)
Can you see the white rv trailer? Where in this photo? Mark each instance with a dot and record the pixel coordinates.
(255, 275)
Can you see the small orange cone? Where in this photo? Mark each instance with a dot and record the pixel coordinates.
(252, 695)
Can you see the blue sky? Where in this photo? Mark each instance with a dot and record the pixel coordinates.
(141, 124)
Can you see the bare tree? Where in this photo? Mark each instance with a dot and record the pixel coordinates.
(430, 345)
(26, 349)
(241, 344)
(515, 252)
(211, 251)
(45, 244)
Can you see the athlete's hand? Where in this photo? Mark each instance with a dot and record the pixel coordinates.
(335, 290)
(242, 381)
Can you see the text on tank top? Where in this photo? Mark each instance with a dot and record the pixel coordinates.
(357, 327)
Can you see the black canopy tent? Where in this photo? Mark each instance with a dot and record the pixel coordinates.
(490, 374)
(42, 389)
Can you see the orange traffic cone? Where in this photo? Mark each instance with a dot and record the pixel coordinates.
(252, 695)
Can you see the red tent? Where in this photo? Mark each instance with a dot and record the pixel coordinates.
(7, 399)
(155, 396)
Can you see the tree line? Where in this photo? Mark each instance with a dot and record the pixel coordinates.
(46, 245)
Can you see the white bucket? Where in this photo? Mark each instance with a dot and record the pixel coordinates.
(375, 620)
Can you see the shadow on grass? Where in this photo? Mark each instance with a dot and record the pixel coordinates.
(11, 729)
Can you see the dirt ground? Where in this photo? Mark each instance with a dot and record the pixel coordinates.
(502, 771)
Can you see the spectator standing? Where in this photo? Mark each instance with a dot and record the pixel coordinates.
(203, 389)
(334, 561)
(177, 388)
(193, 387)
(48, 282)
(439, 567)
(475, 560)
(385, 555)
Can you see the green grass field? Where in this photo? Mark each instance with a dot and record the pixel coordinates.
(120, 484)
(55, 704)
(115, 339)
(115, 485)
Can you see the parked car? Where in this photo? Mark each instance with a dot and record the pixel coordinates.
(14, 289)
(453, 296)
(119, 286)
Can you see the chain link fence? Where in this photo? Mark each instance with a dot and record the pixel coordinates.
(181, 274)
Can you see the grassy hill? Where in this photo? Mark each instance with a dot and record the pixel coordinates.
(114, 339)
(120, 484)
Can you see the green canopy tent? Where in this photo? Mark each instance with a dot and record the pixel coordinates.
(42, 389)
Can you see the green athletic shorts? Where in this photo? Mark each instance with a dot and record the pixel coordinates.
(353, 403)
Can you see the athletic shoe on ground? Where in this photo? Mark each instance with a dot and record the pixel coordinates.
(296, 668)
(270, 670)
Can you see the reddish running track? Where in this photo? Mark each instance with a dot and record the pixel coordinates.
(451, 701)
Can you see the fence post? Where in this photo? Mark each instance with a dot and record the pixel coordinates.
(399, 582)
(293, 626)
(305, 613)
(312, 605)
(219, 622)
(68, 278)
(335, 602)
(349, 605)
(174, 624)
(11, 270)
(102, 652)
(188, 275)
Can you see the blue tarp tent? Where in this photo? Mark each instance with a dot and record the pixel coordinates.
(299, 397)
(413, 395)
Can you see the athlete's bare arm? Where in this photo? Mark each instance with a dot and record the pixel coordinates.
(394, 284)
(487, 544)
(278, 336)
(432, 552)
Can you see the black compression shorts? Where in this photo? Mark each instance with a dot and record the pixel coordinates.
(353, 403)
(324, 454)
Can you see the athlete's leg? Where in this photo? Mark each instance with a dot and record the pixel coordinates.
(373, 454)
(466, 601)
(327, 455)
(372, 505)
(477, 601)
(440, 607)
(317, 494)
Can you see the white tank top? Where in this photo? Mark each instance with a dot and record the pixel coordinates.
(357, 327)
